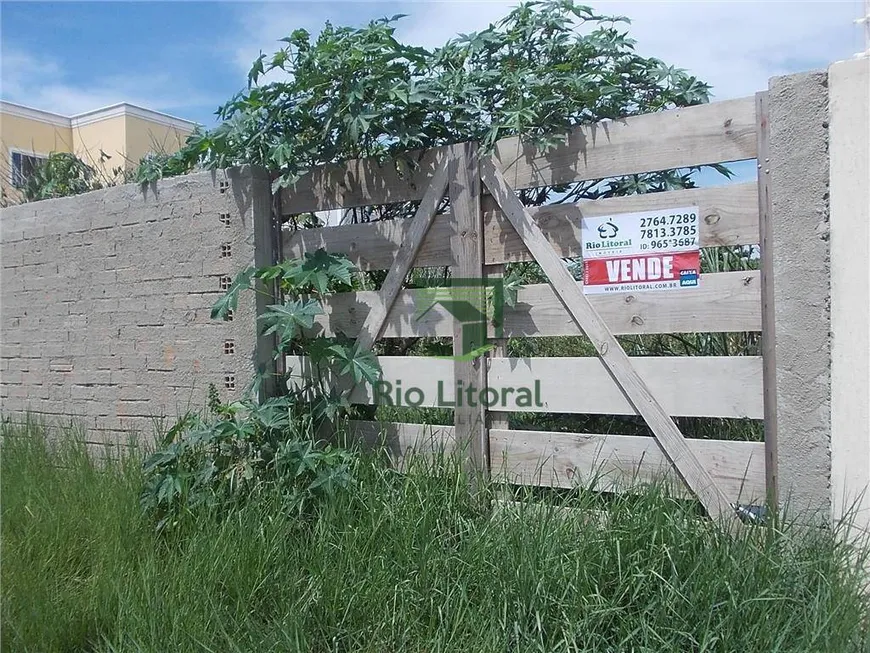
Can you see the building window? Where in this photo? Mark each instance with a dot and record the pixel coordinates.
(23, 166)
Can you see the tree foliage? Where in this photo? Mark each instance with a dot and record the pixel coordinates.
(249, 446)
(60, 175)
(359, 92)
(305, 282)
(219, 459)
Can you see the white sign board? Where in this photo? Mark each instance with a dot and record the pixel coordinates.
(648, 250)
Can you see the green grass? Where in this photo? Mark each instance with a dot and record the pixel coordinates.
(403, 563)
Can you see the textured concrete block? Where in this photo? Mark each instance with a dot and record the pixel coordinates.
(106, 299)
(801, 261)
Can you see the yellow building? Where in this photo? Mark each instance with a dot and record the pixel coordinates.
(110, 140)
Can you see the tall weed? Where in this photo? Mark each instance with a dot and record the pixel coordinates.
(410, 562)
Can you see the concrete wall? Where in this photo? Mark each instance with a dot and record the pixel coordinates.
(849, 108)
(104, 309)
(798, 178)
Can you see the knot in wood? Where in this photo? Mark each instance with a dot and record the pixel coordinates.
(637, 320)
(711, 218)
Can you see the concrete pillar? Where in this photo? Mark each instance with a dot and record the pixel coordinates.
(849, 153)
(798, 177)
(252, 189)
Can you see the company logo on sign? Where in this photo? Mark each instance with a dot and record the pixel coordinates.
(609, 244)
(607, 230)
(688, 277)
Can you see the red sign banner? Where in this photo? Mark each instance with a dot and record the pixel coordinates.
(658, 271)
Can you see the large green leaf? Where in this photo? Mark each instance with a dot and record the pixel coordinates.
(288, 320)
(230, 300)
(512, 283)
(360, 364)
(318, 270)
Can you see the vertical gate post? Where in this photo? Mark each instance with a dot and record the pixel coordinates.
(799, 228)
(768, 318)
(266, 214)
(468, 415)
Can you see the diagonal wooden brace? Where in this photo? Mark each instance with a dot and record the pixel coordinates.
(668, 436)
(422, 220)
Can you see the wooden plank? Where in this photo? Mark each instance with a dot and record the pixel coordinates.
(403, 441)
(614, 461)
(701, 386)
(691, 386)
(568, 459)
(420, 223)
(729, 216)
(691, 136)
(723, 302)
(373, 245)
(431, 377)
(495, 419)
(494, 273)
(363, 182)
(768, 317)
(673, 444)
(679, 138)
(467, 244)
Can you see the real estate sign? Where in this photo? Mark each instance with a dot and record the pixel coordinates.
(649, 250)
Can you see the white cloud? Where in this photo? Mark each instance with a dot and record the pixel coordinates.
(735, 46)
(431, 24)
(43, 83)
(738, 46)
(262, 25)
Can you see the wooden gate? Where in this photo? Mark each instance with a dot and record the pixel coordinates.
(487, 226)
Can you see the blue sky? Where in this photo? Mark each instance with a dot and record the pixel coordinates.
(186, 58)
